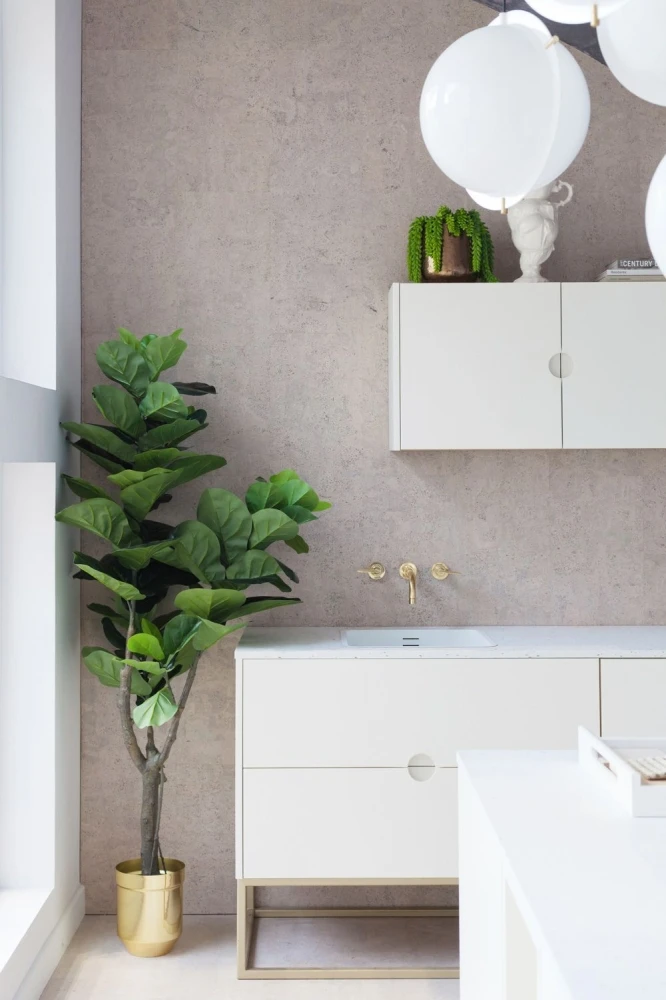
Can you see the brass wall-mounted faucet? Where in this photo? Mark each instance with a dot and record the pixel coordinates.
(408, 572)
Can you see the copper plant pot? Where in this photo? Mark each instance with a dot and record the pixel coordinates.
(150, 907)
(456, 252)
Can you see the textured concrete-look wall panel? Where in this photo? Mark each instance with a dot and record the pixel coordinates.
(250, 171)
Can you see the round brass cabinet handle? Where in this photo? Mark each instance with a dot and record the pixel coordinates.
(440, 571)
(375, 571)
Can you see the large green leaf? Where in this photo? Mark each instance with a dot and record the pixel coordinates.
(195, 388)
(197, 550)
(153, 667)
(129, 477)
(323, 505)
(262, 494)
(138, 556)
(168, 434)
(102, 438)
(298, 544)
(295, 491)
(145, 645)
(91, 567)
(227, 516)
(215, 605)
(129, 338)
(156, 710)
(102, 517)
(253, 565)
(270, 526)
(82, 488)
(107, 668)
(288, 572)
(119, 408)
(164, 352)
(125, 365)
(140, 497)
(178, 632)
(299, 514)
(254, 605)
(190, 467)
(155, 531)
(98, 456)
(156, 458)
(183, 660)
(162, 402)
(114, 635)
(116, 616)
(150, 629)
(284, 477)
(211, 632)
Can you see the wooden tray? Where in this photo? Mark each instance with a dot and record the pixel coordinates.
(607, 761)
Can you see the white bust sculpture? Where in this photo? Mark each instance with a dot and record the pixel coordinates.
(534, 228)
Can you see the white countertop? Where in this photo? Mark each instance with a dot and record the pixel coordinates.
(590, 880)
(511, 642)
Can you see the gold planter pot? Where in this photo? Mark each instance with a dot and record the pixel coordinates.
(150, 907)
(456, 252)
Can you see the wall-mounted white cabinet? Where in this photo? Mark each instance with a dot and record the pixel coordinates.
(516, 366)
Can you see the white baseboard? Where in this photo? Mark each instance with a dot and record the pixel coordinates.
(53, 949)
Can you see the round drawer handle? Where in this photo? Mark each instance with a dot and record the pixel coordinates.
(421, 767)
(561, 365)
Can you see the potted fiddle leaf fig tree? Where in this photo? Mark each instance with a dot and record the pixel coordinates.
(175, 589)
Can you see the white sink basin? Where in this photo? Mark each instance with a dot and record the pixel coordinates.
(408, 638)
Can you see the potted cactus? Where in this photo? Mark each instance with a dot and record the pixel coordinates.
(450, 246)
(174, 589)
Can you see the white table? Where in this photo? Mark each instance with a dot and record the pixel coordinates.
(562, 894)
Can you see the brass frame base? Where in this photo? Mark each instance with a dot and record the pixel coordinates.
(248, 913)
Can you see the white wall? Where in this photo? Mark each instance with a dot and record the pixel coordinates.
(41, 900)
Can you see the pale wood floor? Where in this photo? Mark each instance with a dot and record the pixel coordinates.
(96, 967)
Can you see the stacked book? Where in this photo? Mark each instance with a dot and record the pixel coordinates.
(632, 269)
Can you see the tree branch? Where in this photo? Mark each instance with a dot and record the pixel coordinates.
(150, 742)
(124, 705)
(175, 722)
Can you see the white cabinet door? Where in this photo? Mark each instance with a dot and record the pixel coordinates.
(355, 823)
(615, 335)
(633, 698)
(382, 713)
(474, 366)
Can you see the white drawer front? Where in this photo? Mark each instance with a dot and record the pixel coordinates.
(380, 713)
(633, 697)
(355, 823)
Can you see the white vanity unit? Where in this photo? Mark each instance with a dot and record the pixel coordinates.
(347, 740)
(573, 365)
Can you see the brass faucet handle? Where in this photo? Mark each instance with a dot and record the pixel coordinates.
(440, 571)
(376, 571)
(408, 571)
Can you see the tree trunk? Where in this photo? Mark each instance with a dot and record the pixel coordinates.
(150, 821)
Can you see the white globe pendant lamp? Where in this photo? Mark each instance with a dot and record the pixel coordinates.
(655, 216)
(633, 43)
(494, 204)
(576, 11)
(573, 120)
(489, 110)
